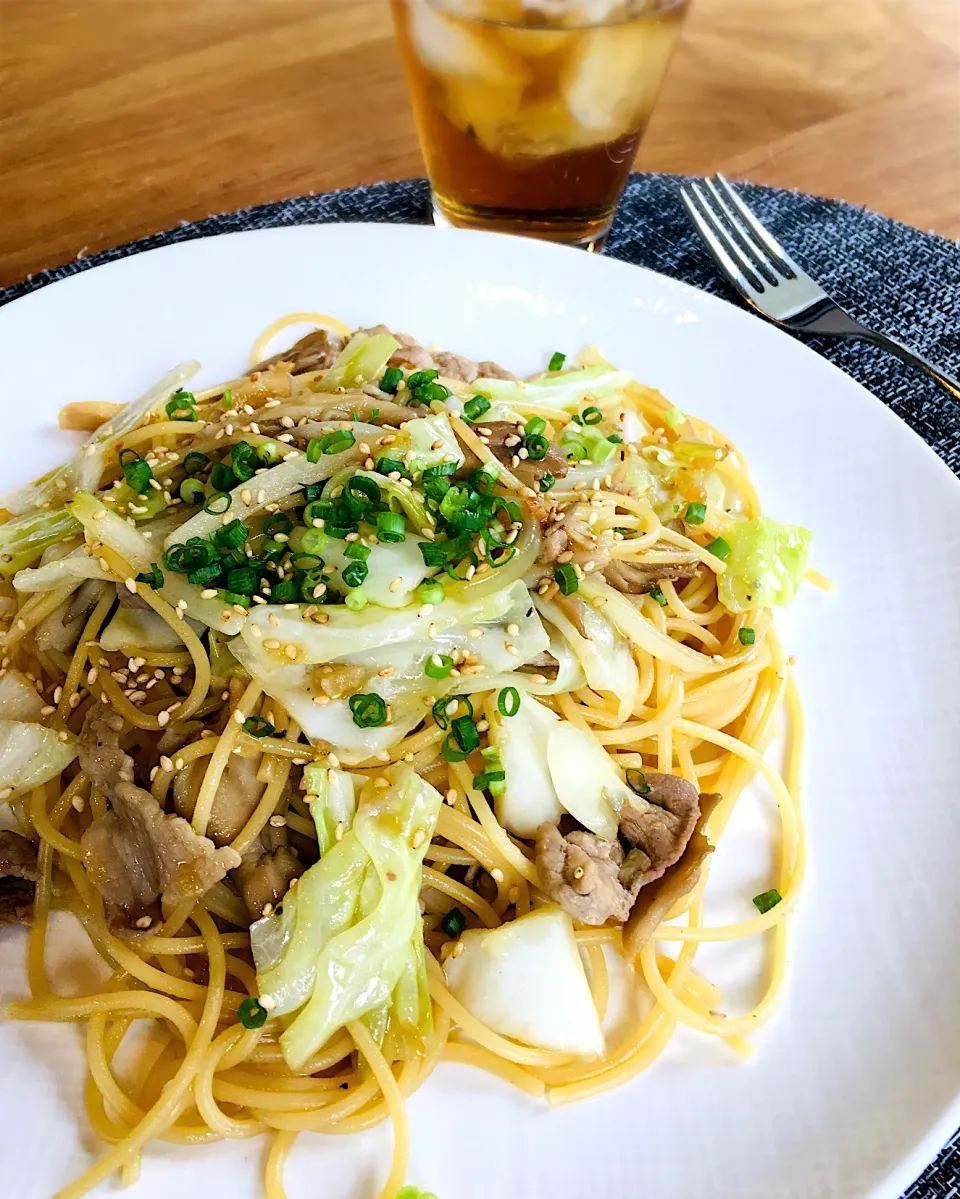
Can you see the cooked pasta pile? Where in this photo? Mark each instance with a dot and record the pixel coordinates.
(313, 680)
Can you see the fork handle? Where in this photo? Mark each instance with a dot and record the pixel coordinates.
(852, 328)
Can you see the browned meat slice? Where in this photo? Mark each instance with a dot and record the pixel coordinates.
(311, 353)
(580, 871)
(504, 440)
(130, 599)
(237, 795)
(410, 354)
(18, 878)
(455, 366)
(639, 578)
(493, 370)
(176, 736)
(137, 854)
(657, 827)
(590, 877)
(554, 544)
(655, 902)
(264, 878)
(62, 628)
(543, 663)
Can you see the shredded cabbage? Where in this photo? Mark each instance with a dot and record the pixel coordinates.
(139, 553)
(766, 564)
(30, 754)
(83, 471)
(356, 921)
(18, 697)
(424, 434)
(360, 361)
(331, 795)
(529, 798)
(566, 391)
(61, 572)
(25, 538)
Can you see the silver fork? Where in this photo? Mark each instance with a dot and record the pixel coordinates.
(769, 279)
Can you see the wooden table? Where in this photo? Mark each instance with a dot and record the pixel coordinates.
(122, 117)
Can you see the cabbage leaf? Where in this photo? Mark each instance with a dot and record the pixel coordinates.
(766, 564)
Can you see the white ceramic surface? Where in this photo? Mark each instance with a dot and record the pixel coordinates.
(855, 1084)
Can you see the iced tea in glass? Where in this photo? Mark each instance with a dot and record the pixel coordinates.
(530, 112)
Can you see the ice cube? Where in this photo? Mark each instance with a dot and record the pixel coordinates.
(483, 108)
(614, 79)
(447, 46)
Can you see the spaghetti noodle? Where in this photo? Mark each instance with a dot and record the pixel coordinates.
(244, 538)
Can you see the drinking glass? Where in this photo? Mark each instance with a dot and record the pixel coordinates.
(530, 112)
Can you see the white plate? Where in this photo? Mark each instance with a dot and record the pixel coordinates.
(855, 1084)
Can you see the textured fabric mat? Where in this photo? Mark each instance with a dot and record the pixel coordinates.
(896, 279)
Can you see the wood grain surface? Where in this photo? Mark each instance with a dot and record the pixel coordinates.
(123, 117)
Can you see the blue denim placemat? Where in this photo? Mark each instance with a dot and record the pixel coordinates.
(896, 279)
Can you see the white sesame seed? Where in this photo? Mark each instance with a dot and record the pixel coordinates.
(163, 718)
(497, 875)
(166, 764)
(130, 585)
(208, 593)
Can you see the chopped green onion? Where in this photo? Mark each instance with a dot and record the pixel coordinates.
(258, 726)
(441, 470)
(227, 400)
(483, 782)
(442, 553)
(314, 450)
(438, 666)
(391, 466)
(475, 408)
(615, 438)
(547, 482)
(222, 477)
(195, 462)
(391, 377)
(391, 527)
(203, 576)
(695, 514)
(508, 701)
(465, 733)
(335, 442)
(418, 378)
(356, 600)
(556, 361)
(269, 453)
(534, 426)
(355, 575)
(769, 899)
(192, 491)
(359, 553)
(658, 597)
(439, 709)
(673, 417)
(449, 751)
(138, 475)
(427, 393)
(124, 460)
(567, 579)
(243, 580)
(536, 447)
(602, 450)
(431, 592)
(284, 591)
(153, 576)
(307, 562)
(182, 405)
(454, 922)
(719, 548)
(278, 522)
(576, 451)
(314, 540)
(591, 415)
(218, 503)
(747, 636)
(232, 535)
(363, 491)
(231, 598)
(244, 460)
(637, 782)
(251, 1013)
(369, 710)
